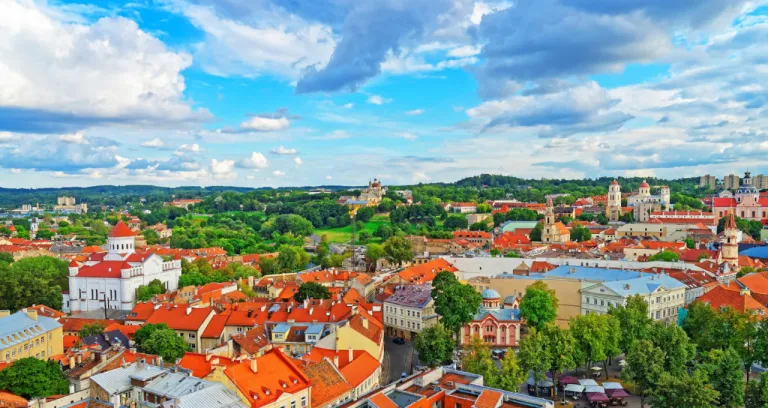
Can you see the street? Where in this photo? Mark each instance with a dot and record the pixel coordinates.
(398, 357)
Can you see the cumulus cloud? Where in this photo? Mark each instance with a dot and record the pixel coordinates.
(261, 124)
(156, 142)
(348, 105)
(278, 173)
(378, 100)
(45, 60)
(74, 138)
(223, 169)
(49, 153)
(283, 151)
(255, 161)
(328, 178)
(414, 112)
(298, 161)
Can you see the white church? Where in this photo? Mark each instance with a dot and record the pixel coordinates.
(111, 279)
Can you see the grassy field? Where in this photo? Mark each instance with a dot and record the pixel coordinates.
(344, 234)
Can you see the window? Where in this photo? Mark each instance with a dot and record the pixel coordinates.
(587, 299)
(602, 302)
(293, 404)
(191, 335)
(42, 339)
(303, 402)
(594, 301)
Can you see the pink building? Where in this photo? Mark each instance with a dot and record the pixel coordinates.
(498, 325)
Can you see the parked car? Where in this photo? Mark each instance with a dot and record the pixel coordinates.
(498, 354)
(403, 375)
(398, 340)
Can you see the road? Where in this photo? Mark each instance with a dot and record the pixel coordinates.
(399, 358)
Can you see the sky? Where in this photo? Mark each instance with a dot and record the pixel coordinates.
(335, 92)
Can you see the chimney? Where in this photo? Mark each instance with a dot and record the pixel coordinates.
(253, 365)
(32, 314)
(350, 354)
(336, 347)
(336, 360)
(160, 361)
(79, 358)
(189, 310)
(71, 362)
(157, 306)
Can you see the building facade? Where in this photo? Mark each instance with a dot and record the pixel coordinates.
(746, 203)
(708, 181)
(663, 294)
(553, 231)
(409, 310)
(731, 182)
(110, 280)
(497, 324)
(25, 334)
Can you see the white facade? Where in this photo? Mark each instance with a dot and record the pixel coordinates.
(112, 281)
(663, 294)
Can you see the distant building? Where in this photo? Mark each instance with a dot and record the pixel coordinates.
(644, 203)
(663, 294)
(746, 203)
(185, 204)
(731, 182)
(760, 182)
(68, 205)
(553, 231)
(708, 181)
(497, 324)
(464, 208)
(373, 194)
(27, 334)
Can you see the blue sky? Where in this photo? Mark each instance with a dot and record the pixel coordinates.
(274, 93)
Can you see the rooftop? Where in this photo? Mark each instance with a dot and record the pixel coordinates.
(412, 296)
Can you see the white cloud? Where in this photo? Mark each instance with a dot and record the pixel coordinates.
(464, 51)
(255, 161)
(122, 162)
(223, 169)
(283, 151)
(348, 105)
(74, 138)
(156, 142)
(328, 178)
(378, 100)
(110, 71)
(335, 135)
(420, 176)
(270, 42)
(408, 136)
(264, 124)
(278, 173)
(193, 148)
(16, 171)
(414, 112)
(482, 9)
(298, 161)
(6, 136)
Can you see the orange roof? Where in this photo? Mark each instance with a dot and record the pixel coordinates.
(274, 374)
(202, 364)
(93, 249)
(141, 312)
(561, 228)
(215, 326)
(180, 318)
(327, 383)
(756, 282)
(721, 296)
(471, 234)
(360, 369)
(72, 324)
(69, 341)
(382, 401)
(426, 272)
(104, 269)
(488, 399)
(128, 329)
(43, 310)
(10, 400)
(541, 266)
(253, 340)
(352, 296)
(121, 230)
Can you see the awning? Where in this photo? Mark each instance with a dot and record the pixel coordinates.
(587, 382)
(617, 393)
(596, 368)
(574, 388)
(595, 388)
(567, 379)
(597, 397)
(612, 386)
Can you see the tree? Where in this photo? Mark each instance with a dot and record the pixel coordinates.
(580, 233)
(726, 376)
(539, 305)
(145, 293)
(645, 365)
(535, 234)
(6, 257)
(756, 394)
(267, 266)
(561, 348)
(454, 222)
(602, 219)
(143, 334)
(665, 256)
(434, 345)
(373, 252)
(311, 290)
(477, 360)
(511, 373)
(457, 304)
(590, 332)
(699, 325)
(634, 322)
(166, 344)
(689, 391)
(34, 280)
(398, 250)
(384, 232)
(690, 243)
(678, 350)
(495, 252)
(365, 214)
(30, 378)
(364, 236)
(479, 226)
(534, 356)
(484, 208)
(91, 330)
(512, 254)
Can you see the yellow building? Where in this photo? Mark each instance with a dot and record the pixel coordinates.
(25, 334)
(553, 231)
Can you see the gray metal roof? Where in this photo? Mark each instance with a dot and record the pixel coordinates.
(19, 327)
(216, 396)
(176, 385)
(119, 380)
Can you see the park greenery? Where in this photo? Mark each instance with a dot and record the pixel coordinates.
(33, 280)
(34, 378)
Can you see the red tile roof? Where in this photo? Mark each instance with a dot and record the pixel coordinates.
(180, 318)
(360, 369)
(10, 400)
(103, 269)
(127, 329)
(720, 297)
(215, 327)
(253, 340)
(121, 230)
(275, 374)
(471, 234)
(426, 272)
(382, 401)
(203, 364)
(488, 399)
(327, 383)
(141, 312)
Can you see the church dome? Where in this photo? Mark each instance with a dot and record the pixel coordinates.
(644, 185)
(490, 294)
(614, 182)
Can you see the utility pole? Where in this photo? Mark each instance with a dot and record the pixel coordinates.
(354, 253)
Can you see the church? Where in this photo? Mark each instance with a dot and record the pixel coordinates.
(110, 280)
(746, 203)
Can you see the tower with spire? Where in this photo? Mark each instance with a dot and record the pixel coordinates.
(729, 245)
(613, 204)
(553, 231)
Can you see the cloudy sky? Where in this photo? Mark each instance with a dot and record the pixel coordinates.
(275, 92)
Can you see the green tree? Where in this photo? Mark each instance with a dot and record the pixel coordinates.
(495, 252)
(34, 280)
(373, 252)
(484, 208)
(434, 344)
(364, 236)
(539, 305)
(700, 324)
(311, 290)
(477, 360)
(384, 232)
(678, 350)
(561, 349)
(143, 334)
(535, 234)
(756, 393)
(454, 222)
(689, 391)
(534, 355)
(6, 257)
(726, 376)
(398, 250)
(690, 243)
(365, 214)
(166, 344)
(267, 266)
(456, 304)
(91, 330)
(145, 293)
(287, 259)
(580, 233)
(510, 374)
(634, 322)
(30, 377)
(512, 254)
(590, 332)
(665, 256)
(479, 226)
(645, 365)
